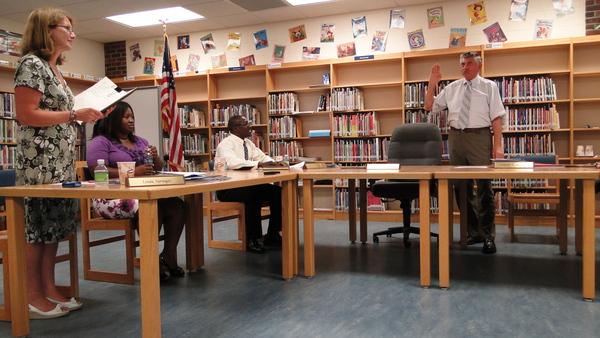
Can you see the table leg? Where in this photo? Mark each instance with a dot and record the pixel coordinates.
(294, 229)
(194, 232)
(589, 238)
(578, 217)
(445, 219)
(563, 214)
(352, 209)
(425, 232)
(149, 269)
(287, 251)
(363, 210)
(309, 228)
(463, 213)
(15, 226)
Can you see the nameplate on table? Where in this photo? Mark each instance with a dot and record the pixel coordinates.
(145, 181)
(514, 165)
(383, 166)
(319, 165)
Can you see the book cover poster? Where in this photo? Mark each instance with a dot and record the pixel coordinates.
(149, 65)
(476, 13)
(297, 33)
(219, 60)
(379, 41)
(397, 18)
(159, 47)
(518, 10)
(183, 42)
(174, 63)
(234, 41)
(435, 17)
(494, 33)
(458, 37)
(193, 62)
(134, 50)
(563, 7)
(543, 29)
(310, 53)
(278, 54)
(346, 49)
(327, 32)
(416, 39)
(208, 43)
(247, 61)
(359, 26)
(260, 39)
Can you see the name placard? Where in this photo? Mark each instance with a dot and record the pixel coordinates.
(145, 181)
(315, 165)
(383, 166)
(234, 69)
(364, 57)
(514, 165)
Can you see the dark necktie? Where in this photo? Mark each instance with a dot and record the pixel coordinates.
(245, 151)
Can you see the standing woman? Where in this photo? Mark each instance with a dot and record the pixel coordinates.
(46, 152)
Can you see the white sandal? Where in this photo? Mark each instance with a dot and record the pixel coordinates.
(72, 304)
(34, 313)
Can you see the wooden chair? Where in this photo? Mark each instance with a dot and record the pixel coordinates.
(516, 201)
(7, 178)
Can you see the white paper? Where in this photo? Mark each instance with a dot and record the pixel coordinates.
(473, 167)
(101, 95)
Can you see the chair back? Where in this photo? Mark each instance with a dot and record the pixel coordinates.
(7, 179)
(416, 144)
(545, 159)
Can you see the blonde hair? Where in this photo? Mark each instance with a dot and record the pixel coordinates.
(36, 39)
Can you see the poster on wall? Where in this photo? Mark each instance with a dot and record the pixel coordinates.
(346, 49)
(183, 42)
(219, 60)
(260, 39)
(297, 33)
(149, 65)
(477, 13)
(278, 54)
(379, 41)
(327, 32)
(494, 33)
(563, 7)
(208, 43)
(397, 18)
(234, 42)
(435, 17)
(10, 43)
(359, 26)
(518, 10)
(310, 53)
(159, 47)
(458, 37)
(135, 53)
(416, 39)
(247, 61)
(193, 63)
(543, 29)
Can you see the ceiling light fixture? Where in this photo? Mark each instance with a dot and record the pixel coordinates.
(153, 17)
(305, 2)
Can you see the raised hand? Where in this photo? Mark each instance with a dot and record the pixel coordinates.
(436, 74)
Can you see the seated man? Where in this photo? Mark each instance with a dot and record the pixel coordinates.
(240, 152)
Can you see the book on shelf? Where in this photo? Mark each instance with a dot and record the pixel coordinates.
(101, 95)
(308, 159)
(319, 133)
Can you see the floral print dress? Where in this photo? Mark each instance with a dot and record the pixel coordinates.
(46, 155)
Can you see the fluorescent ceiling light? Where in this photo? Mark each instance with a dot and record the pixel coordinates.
(154, 17)
(305, 2)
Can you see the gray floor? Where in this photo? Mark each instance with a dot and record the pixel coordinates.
(526, 290)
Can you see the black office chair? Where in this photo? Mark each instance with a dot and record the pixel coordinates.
(410, 145)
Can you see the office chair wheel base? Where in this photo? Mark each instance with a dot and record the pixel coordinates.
(562, 253)
(375, 239)
(407, 244)
(444, 288)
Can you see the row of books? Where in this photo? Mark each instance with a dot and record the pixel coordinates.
(526, 89)
(7, 105)
(501, 204)
(520, 183)
(283, 103)
(284, 126)
(529, 145)
(342, 201)
(220, 115)
(191, 117)
(361, 124)
(292, 149)
(414, 93)
(8, 131)
(532, 118)
(423, 116)
(324, 103)
(194, 144)
(8, 156)
(375, 149)
(347, 99)
(256, 137)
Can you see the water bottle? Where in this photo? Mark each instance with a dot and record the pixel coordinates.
(101, 173)
(286, 160)
(149, 159)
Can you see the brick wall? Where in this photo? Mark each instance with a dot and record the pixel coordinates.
(592, 17)
(115, 59)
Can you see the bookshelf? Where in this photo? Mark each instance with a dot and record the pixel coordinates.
(388, 84)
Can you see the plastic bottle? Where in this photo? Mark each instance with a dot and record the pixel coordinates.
(101, 173)
(149, 158)
(286, 159)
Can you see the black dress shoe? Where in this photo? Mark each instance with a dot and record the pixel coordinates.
(474, 240)
(272, 239)
(255, 247)
(489, 247)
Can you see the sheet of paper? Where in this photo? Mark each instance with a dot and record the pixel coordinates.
(472, 167)
(101, 95)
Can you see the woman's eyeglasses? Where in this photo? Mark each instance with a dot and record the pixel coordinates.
(69, 28)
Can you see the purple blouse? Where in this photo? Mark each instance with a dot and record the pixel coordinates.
(113, 151)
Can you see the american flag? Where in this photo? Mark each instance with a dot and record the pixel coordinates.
(170, 115)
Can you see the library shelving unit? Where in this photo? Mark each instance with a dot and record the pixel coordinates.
(8, 121)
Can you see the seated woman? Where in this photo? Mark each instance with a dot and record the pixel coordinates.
(114, 141)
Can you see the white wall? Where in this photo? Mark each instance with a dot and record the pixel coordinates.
(455, 16)
(86, 58)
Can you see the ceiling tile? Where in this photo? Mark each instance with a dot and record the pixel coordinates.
(280, 14)
(216, 9)
(239, 20)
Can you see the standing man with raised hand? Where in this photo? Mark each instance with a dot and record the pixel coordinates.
(474, 105)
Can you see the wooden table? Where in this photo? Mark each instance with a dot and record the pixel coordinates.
(148, 232)
(584, 207)
(421, 173)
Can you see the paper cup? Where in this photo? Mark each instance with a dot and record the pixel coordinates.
(126, 169)
(220, 165)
